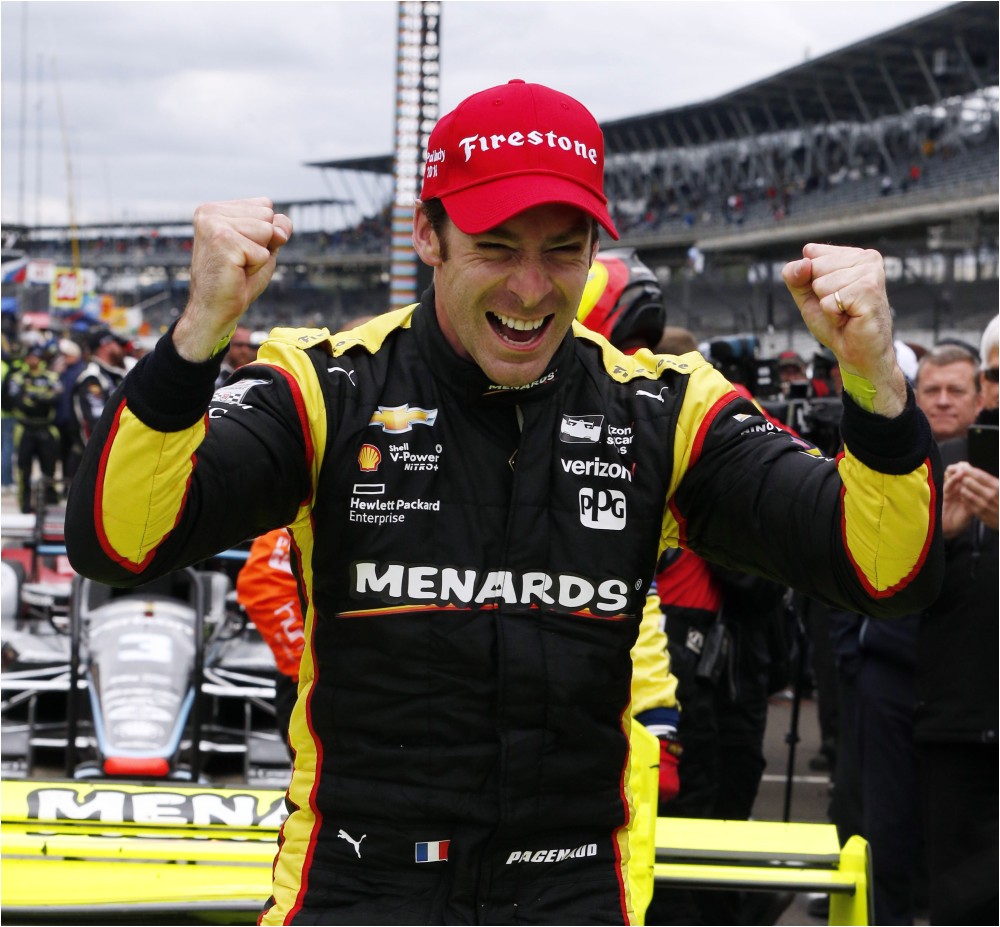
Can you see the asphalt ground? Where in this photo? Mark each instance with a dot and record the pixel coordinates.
(806, 792)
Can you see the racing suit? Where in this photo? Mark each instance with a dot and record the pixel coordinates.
(35, 394)
(475, 559)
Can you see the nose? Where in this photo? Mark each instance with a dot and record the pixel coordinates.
(529, 281)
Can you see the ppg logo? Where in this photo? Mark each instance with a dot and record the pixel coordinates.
(603, 509)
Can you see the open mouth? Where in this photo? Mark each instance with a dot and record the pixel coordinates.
(519, 332)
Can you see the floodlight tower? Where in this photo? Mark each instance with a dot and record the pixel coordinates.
(418, 81)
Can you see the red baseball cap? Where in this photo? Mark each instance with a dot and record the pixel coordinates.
(511, 147)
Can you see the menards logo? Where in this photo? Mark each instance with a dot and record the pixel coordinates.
(401, 584)
(113, 806)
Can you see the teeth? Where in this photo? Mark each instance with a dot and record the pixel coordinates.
(521, 325)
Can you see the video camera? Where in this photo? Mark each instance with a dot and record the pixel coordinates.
(735, 357)
(815, 418)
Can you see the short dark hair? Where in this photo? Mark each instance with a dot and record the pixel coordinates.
(437, 216)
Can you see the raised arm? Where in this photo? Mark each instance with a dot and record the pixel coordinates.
(233, 258)
(165, 480)
(841, 295)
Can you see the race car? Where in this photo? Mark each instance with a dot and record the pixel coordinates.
(137, 726)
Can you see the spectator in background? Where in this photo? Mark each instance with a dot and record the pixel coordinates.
(957, 683)
(242, 350)
(907, 359)
(826, 369)
(948, 391)
(267, 589)
(792, 373)
(72, 364)
(34, 391)
(675, 340)
(988, 374)
(94, 385)
(10, 362)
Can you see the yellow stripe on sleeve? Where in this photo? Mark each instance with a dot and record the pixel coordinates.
(144, 485)
(887, 521)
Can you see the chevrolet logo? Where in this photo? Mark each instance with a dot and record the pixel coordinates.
(397, 420)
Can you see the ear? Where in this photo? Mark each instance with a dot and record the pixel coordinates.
(425, 240)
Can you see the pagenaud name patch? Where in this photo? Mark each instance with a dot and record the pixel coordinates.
(551, 856)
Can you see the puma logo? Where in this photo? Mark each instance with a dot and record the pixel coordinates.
(658, 397)
(344, 835)
(348, 373)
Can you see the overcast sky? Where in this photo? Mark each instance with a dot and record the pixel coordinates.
(169, 104)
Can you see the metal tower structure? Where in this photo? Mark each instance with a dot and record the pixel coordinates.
(418, 82)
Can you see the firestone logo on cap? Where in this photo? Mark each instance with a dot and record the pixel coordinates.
(509, 148)
(534, 137)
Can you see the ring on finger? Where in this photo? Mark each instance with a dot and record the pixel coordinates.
(840, 304)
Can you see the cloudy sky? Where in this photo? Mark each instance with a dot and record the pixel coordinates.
(163, 105)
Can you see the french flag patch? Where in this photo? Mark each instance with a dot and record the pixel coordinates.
(435, 851)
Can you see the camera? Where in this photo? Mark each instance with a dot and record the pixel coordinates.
(984, 447)
(793, 403)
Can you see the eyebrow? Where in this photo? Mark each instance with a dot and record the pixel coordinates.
(581, 228)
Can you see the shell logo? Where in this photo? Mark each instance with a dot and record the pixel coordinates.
(369, 458)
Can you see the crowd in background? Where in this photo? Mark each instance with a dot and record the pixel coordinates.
(54, 388)
(729, 183)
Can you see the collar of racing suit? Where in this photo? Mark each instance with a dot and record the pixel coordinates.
(465, 378)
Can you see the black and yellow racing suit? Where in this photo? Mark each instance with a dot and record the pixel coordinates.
(475, 560)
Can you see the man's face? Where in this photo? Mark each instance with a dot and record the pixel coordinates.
(505, 298)
(113, 353)
(990, 388)
(948, 396)
(240, 350)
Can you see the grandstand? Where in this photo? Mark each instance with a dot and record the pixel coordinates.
(889, 143)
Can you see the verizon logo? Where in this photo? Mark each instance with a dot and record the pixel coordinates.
(597, 467)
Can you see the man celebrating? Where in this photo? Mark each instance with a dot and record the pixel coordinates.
(477, 490)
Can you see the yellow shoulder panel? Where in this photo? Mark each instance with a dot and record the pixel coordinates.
(696, 414)
(644, 364)
(372, 333)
